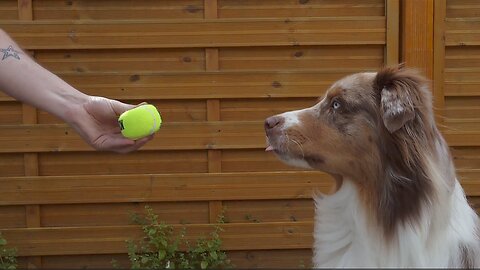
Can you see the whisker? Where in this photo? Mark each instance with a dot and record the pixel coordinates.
(299, 146)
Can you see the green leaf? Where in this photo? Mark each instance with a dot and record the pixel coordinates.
(204, 265)
(214, 255)
(164, 242)
(209, 244)
(144, 260)
(3, 241)
(161, 254)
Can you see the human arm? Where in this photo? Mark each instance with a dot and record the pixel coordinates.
(94, 118)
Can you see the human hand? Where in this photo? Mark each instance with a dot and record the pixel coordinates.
(96, 121)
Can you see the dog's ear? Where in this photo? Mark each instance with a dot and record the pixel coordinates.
(398, 90)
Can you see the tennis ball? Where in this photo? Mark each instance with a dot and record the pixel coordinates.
(140, 122)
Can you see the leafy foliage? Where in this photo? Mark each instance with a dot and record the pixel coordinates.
(8, 259)
(160, 247)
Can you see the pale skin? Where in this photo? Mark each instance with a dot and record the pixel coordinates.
(93, 118)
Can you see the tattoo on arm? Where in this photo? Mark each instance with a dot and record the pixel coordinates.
(10, 51)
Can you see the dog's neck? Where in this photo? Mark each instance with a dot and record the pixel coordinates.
(344, 235)
(411, 171)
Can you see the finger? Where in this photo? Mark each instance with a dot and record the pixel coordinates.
(113, 143)
(138, 144)
(120, 107)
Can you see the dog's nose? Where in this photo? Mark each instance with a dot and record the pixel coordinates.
(273, 122)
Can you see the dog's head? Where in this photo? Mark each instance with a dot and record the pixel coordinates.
(347, 124)
(373, 128)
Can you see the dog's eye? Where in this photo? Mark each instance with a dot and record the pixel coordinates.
(336, 105)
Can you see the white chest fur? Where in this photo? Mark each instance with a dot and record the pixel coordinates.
(345, 238)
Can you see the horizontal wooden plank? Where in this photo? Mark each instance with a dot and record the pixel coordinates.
(269, 210)
(466, 157)
(462, 81)
(116, 214)
(193, 59)
(145, 162)
(205, 85)
(462, 138)
(295, 8)
(88, 34)
(302, 57)
(184, 110)
(162, 187)
(9, 10)
(10, 113)
(462, 124)
(12, 164)
(462, 57)
(122, 60)
(463, 8)
(463, 107)
(462, 31)
(12, 216)
(172, 136)
(111, 239)
(252, 160)
(267, 259)
(462, 88)
(259, 109)
(112, 9)
(176, 187)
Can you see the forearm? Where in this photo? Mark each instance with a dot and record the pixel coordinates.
(27, 81)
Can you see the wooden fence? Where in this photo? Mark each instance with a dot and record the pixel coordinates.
(216, 69)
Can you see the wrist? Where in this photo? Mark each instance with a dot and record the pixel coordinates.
(73, 106)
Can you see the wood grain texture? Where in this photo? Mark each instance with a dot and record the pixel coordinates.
(393, 32)
(117, 10)
(206, 85)
(197, 33)
(295, 8)
(462, 8)
(122, 60)
(9, 10)
(162, 187)
(278, 259)
(174, 136)
(439, 59)
(215, 69)
(29, 115)
(417, 45)
(462, 31)
(111, 239)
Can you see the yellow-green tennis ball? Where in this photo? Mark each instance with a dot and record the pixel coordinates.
(140, 122)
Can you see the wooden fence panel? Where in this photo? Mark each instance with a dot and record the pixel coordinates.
(461, 82)
(117, 10)
(215, 69)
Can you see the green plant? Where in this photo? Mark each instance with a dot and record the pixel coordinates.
(8, 259)
(160, 247)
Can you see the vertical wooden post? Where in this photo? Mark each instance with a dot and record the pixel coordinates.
(213, 109)
(392, 14)
(440, 9)
(30, 160)
(417, 45)
(25, 10)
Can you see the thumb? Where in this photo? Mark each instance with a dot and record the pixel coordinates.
(120, 107)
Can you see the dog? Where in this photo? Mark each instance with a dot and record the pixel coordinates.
(397, 201)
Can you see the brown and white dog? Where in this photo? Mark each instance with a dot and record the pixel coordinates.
(398, 202)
